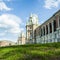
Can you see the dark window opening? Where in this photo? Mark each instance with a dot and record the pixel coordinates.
(46, 29)
(41, 32)
(54, 24)
(30, 27)
(59, 20)
(50, 27)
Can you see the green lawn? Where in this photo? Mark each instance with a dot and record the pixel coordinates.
(31, 52)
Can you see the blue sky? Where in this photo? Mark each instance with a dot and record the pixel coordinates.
(14, 14)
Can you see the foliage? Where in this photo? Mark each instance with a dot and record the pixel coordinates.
(47, 51)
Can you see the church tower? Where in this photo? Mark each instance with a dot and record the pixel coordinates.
(21, 39)
(31, 25)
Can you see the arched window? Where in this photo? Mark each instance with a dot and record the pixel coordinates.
(41, 31)
(50, 27)
(46, 29)
(54, 24)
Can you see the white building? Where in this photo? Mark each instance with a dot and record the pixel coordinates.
(48, 32)
(21, 39)
(31, 25)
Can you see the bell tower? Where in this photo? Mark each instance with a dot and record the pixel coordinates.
(31, 25)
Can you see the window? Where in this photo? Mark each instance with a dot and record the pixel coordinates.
(35, 33)
(41, 32)
(46, 29)
(54, 24)
(50, 27)
(30, 27)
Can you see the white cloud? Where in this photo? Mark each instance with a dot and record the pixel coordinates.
(2, 34)
(51, 3)
(8, 0)
(3, 6)
(10, 23)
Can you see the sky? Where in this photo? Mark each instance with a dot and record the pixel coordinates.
(14, 14)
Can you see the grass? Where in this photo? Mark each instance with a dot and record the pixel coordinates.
(47, 51)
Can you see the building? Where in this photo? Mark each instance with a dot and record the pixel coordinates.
(48, 32)
(21, 39)
(6, 43)
(31, 25)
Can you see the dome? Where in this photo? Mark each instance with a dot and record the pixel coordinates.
(33, 19)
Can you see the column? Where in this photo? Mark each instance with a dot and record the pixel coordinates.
(52, 27)
(48, 28)
(45, 29)
(52, 32)
(48, 31)
(42, 35)
(58, 29)
(45, 33)
(58, 21)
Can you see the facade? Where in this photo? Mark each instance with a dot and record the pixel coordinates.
(31, 25)
(48, 32)
(21, 39)
(6, 43)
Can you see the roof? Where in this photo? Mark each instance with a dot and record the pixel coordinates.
(49, 19)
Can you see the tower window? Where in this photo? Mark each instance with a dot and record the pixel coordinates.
(30, 27)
